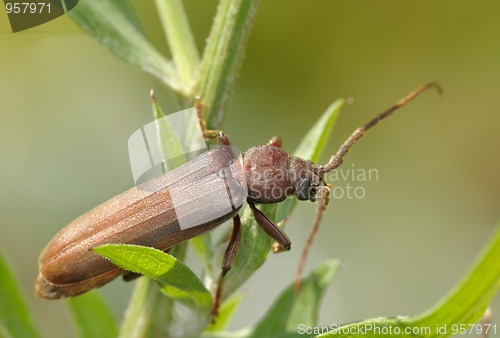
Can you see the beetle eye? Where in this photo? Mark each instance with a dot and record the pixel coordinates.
(302, 192)
(312, 192)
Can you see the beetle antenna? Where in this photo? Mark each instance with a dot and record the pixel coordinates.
(337, 159)
(323, 199)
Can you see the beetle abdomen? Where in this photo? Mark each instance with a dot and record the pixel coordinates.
(160, 213)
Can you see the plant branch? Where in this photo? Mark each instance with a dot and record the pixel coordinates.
(223, 54)
(180, 39)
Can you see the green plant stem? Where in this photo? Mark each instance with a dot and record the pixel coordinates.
(141, 318)
(180, 39)
(149, 313)
(222, 55)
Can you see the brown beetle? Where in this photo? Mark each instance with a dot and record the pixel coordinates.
(148, 216)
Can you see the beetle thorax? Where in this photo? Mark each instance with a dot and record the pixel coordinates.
(272, 175)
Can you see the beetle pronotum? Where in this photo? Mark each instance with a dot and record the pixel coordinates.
(68, 267)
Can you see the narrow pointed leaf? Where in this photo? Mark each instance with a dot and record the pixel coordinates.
(226, 310)
(15, 319)
(468, 300)
(312, 147)
(176, 280)
(246, 333)
(464, 305)
(170, 146)
(92, 316)
(112, 25)
(292, 309)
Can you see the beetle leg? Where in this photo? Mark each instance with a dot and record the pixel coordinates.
(207, 133)
(270, 228)
(233, 245)
(276, 247)
(129, 276)
(229, 257)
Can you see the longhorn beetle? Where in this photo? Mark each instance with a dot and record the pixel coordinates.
(68, 267)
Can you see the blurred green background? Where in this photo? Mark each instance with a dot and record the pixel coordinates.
(68, 106)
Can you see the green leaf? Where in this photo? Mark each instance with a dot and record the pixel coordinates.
(246, 333)
(226, 310)
(314, 142)
(223, 54)
(312, 147)
(113, 24)
(255, 243)
(176, 280)
(92, 316)
(180, 39)
(15, 319)
(169, 143)
(467, 302)
(126, 8)
(292, 309)
(464, 304)
(370, 328)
